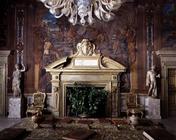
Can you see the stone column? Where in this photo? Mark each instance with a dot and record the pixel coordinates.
(3, 80)
(115, 93)
(55, 94)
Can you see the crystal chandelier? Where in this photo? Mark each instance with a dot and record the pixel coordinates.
(85, 9)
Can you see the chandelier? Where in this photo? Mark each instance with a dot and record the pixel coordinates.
(85, 9)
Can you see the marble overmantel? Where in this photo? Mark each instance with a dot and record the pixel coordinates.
(88, 67)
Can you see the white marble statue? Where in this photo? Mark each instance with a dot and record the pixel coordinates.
(17, 80)
(151, 82)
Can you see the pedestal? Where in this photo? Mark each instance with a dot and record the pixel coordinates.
(15, 107)
(152, 107)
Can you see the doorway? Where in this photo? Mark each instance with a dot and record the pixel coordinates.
(168, 81)
(172, 92)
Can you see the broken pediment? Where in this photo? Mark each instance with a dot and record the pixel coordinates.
(85, 59)
(88, 67)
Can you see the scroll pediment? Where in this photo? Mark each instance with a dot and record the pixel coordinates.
(111, 64)
(85, 59)
(58, 64)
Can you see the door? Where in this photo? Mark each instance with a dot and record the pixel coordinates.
(172, 92)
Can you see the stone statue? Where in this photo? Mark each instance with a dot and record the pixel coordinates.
(17, 80)
(151, 82)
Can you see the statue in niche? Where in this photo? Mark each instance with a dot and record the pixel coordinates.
(17, 80)
(151, 82)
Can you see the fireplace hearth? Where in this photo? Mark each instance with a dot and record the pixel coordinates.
(86, 100)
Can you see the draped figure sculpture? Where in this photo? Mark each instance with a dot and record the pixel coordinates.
(17, 80)
(151, 82)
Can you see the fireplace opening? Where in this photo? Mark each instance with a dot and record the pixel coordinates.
(86, 100)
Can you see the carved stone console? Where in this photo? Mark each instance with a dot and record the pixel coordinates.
(3, 80)
(87, 67)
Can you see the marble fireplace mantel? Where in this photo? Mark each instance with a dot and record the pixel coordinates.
(88, 67)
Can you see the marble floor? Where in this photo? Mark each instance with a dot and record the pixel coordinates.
(7, 122)
(169, 124)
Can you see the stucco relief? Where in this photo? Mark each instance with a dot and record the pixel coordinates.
(85, 48)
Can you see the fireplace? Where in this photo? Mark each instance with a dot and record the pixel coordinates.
(89, 68)
(86, 100)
